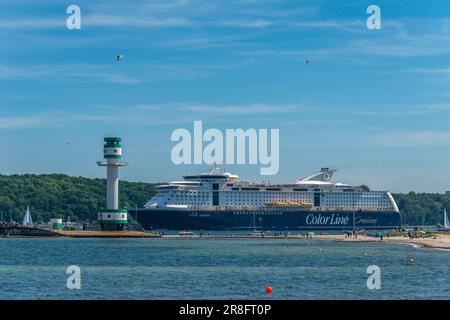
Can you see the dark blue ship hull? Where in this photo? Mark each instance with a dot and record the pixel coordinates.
(283, 219)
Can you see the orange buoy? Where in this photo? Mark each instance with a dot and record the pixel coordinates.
(448, 268)
(411, 261)
(269, 290)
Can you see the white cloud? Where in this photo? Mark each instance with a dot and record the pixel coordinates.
(403, 110)
(142, 114)
(243, 109)
(112, 72)
(258, 23)
(75, 73)
(149, 107)
(32, 23)
(101, 20)
(412, 139)
(46, 119)
(443, 71)
(19, 122)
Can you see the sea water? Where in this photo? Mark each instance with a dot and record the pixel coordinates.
(180, 268)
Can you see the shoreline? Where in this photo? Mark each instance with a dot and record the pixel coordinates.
(437, 241)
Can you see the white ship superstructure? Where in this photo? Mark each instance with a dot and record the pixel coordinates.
(218, 189)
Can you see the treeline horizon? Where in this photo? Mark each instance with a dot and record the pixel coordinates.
(80, 199)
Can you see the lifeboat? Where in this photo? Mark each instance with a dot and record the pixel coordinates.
(288, 203)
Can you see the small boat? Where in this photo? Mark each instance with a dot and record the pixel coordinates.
(186, 233)
(260, 234)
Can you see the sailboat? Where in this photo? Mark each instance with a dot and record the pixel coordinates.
(446, 222)
(27, 221)
(256, 233)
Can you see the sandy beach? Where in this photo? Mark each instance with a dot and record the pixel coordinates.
(439, 241)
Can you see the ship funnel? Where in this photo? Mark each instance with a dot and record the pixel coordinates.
(324, 175)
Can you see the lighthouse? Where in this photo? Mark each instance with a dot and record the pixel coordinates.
(112, 218)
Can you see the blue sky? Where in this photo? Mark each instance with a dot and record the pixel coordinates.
(372, 103)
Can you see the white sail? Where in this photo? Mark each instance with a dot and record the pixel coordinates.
(27, 221)
(446, 223)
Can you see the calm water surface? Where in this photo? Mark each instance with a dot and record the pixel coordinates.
(218, 269)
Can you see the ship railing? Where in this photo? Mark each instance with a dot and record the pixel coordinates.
(288, 208)
(351, 209)
(221, 208)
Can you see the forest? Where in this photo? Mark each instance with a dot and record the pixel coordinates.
(79, 199)
(62, 196)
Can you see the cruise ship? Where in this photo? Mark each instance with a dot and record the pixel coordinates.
(219, 200)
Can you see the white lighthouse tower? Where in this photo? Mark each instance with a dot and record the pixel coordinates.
(112, 218)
